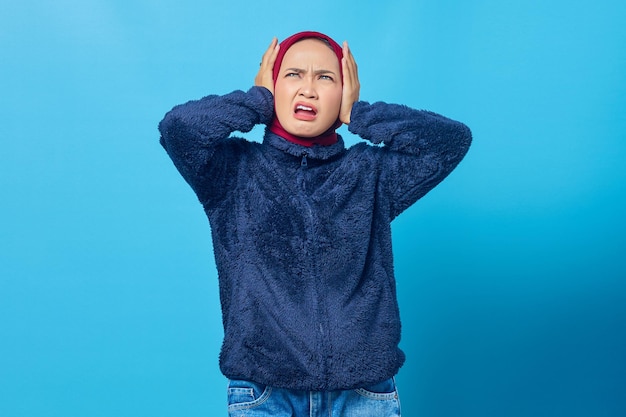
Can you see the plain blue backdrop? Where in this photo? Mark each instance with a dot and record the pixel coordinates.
(511, 274)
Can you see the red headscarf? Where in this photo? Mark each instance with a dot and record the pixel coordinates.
(329, 137)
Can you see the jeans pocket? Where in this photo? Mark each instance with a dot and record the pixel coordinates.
(385, 390)
(246, 394)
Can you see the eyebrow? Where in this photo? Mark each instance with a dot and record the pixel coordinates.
(316, 72)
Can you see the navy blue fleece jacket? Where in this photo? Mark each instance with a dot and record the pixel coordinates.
(302, 236)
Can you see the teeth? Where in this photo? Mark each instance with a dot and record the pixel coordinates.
(305, 108)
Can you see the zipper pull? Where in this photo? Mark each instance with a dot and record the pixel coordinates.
(304, 162)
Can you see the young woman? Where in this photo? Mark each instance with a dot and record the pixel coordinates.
(301, 227)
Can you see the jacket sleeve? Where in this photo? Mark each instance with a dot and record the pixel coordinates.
(194, 135)
(420, 148)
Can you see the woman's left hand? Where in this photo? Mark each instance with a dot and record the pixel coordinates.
(351, 86)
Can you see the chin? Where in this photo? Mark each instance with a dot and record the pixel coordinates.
(305, 133)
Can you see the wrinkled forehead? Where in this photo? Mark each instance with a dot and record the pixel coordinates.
(311, 50)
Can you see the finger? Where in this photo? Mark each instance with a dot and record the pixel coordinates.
(346, 62)
(347, 75)
(266, 53)
(275, 47)
(264, 76)
(270, 54)
(350, 61)
(349, 58)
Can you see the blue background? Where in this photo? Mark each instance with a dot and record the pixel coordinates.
(511, 274)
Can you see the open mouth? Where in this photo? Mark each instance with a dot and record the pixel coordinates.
(305, 111)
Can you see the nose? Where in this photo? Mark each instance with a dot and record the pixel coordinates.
(308, 88)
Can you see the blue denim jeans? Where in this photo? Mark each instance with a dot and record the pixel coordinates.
(249, 399)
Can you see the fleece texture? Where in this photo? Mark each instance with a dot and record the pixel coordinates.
(302, 235)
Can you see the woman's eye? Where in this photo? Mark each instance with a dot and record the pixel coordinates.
(326, 77)
(292, 74)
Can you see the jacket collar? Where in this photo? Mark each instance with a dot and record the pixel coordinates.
(315, 152)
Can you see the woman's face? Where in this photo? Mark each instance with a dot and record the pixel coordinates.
(307, 94)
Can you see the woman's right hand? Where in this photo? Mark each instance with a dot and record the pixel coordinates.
(264, 77)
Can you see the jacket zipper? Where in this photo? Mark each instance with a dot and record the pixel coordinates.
(320, 325)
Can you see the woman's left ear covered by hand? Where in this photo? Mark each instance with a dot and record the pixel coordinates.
(351, 85)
